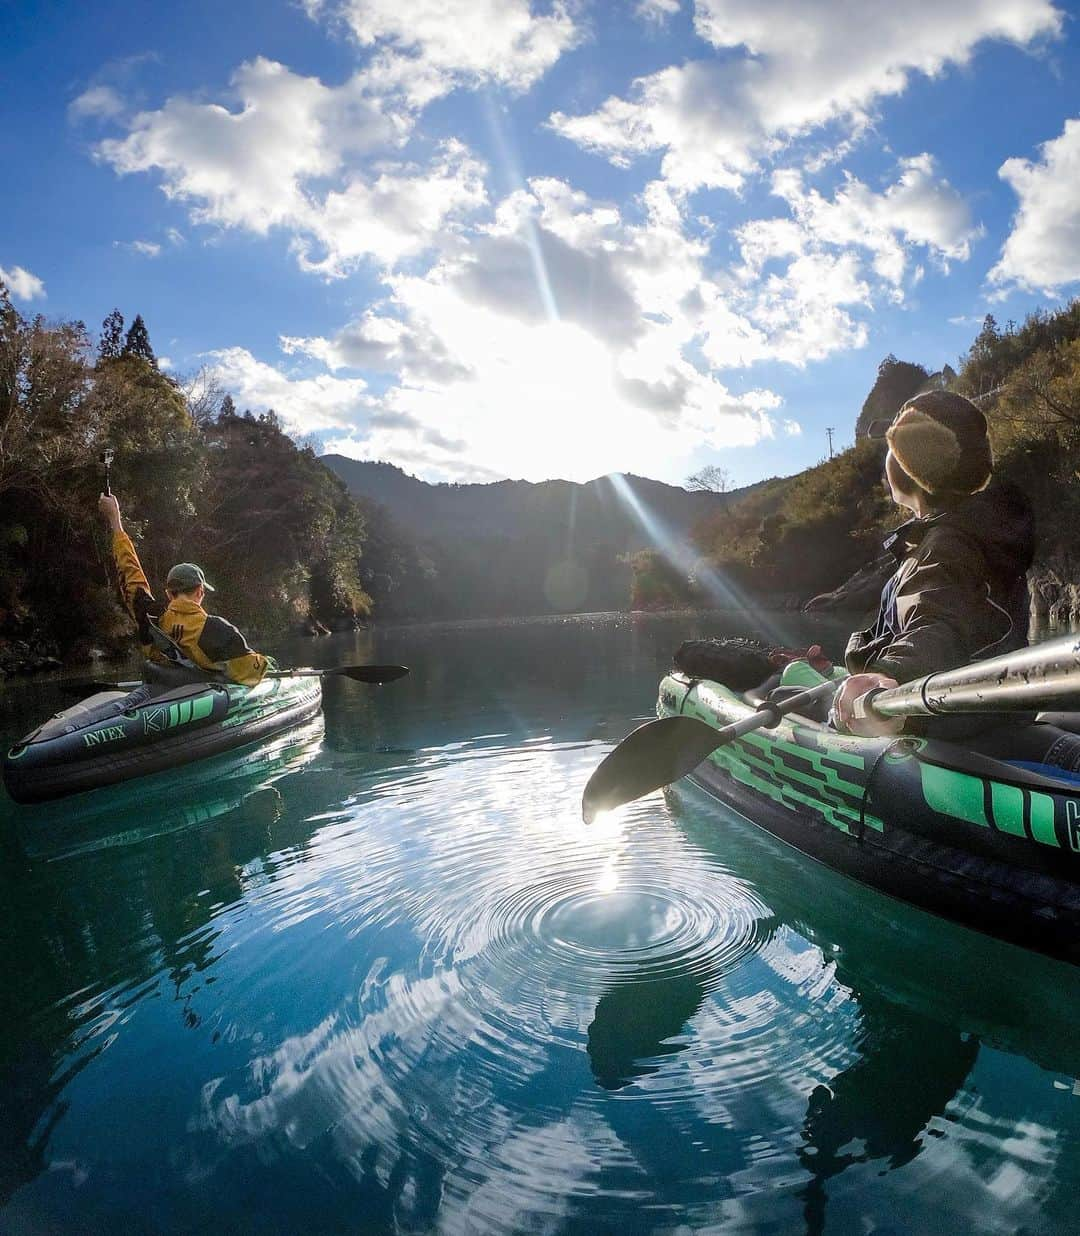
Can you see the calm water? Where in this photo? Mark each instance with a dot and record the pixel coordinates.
(381, 978)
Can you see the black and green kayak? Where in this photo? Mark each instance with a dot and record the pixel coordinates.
(979, 840)
(81, 749)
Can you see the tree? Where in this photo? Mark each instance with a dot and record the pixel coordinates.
(112, 332)
(1040, 400)
(711, 479)
(202, 392)
(659, 584)
(988, 359)
(279, 529)
(897, 381)
(137, 342)
(228, 408)
(43, 380)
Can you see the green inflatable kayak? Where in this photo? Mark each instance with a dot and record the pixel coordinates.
(91, 744)
(978, 840)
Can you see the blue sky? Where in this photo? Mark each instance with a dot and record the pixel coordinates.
(490, 238)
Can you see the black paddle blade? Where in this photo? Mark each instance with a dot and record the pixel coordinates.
(654, 755)
(372, 673)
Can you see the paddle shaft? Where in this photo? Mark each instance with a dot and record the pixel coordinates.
(767, 715)
(304, 673)
(1035, 678)
(358, 673)
(373, 674)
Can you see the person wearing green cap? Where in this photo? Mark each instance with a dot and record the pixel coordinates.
(205, 641)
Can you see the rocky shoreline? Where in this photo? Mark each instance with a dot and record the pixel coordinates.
(1055, 599)
(20, 657)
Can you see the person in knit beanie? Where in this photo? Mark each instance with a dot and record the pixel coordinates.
(939, 440)
(959, 591)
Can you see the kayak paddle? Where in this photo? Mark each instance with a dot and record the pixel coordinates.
(660, 752)
(358, 673)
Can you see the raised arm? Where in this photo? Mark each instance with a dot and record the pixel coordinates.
(134, 589)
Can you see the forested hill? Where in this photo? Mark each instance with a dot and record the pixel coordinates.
(605, 509)
(804, 536)
(517, 547)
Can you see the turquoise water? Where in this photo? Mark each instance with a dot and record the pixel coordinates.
(381, 978)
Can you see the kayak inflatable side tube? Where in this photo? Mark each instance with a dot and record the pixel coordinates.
(165, 732)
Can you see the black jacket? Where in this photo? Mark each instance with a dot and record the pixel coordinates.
(959, 593)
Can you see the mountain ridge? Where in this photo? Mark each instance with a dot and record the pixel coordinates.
(528, 547)
(413, 501)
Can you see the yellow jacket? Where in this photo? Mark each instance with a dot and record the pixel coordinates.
(208, 641)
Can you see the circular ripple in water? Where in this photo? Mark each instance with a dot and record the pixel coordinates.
(540, 1007)
(562, 930)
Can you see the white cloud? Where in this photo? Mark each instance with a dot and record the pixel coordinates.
(22, 284)
(384, 344)
(549, 400)
(560, 323)
(430, 45)
(919, 209)
(1043, 249)
(305, 404)
(657, 10)
(99, 102)
(794, 297)
(801, 67)
(562, 304)
(286, 158)
(797, 315)
(397, 215)
(249, 167)
(145, 248)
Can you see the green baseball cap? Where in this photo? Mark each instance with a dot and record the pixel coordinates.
(185, 576)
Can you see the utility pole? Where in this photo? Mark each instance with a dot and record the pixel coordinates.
(829, 433)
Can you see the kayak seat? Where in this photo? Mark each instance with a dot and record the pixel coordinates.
(1031, 744)
(1046, 770)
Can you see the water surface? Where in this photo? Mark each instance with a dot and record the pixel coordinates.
(379, 977)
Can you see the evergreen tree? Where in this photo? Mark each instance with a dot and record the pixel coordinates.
(228, 408)
(137, 342)
(112, 333)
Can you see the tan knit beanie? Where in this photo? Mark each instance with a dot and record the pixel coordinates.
(939, 439)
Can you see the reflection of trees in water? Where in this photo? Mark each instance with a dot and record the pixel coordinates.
(633, 1024)
(924, 998)
(908, 1071)
(78, 931)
